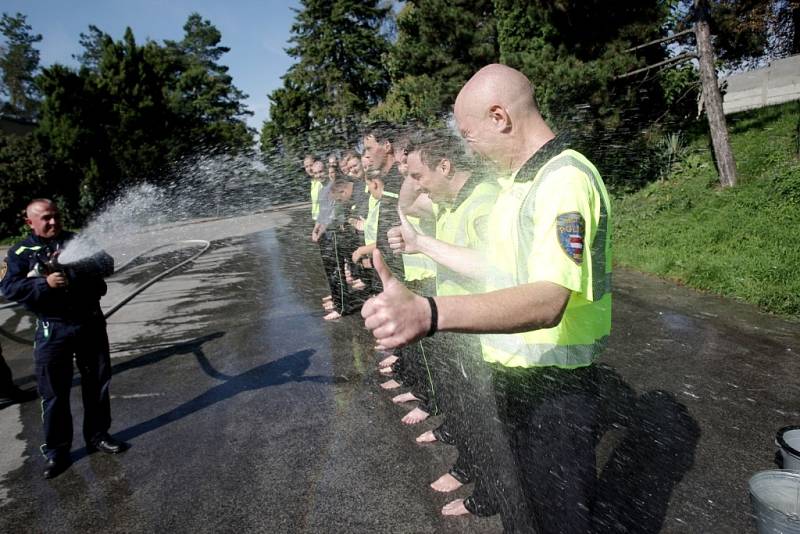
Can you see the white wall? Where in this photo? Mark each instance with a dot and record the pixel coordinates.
(779, 82)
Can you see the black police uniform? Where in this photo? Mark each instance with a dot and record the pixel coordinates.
(69, 324)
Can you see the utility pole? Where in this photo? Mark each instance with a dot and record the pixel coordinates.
(712, 97)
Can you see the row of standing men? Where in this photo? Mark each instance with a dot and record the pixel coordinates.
(430, 242)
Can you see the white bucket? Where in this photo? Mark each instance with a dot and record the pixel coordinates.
(775, 498)
(788, 439)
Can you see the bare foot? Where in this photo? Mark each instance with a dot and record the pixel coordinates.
(328, 305)
(327, 298)
(446, 483)
(391, 384)
(388, 361)
(359, 284)
(332, 316)
(426, 437)
(455, 508)
(417, 415)
(404, 397)
(386, 371)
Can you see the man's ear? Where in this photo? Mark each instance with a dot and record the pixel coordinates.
(445, 167)
(500, 118)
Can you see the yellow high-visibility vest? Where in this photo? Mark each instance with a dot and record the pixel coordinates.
(316, 187)
(371, 222)
(557, 228)
(417, 266)
(458, 226)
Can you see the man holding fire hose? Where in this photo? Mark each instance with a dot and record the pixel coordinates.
(70, 323)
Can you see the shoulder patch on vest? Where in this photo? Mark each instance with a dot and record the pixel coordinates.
(571, 235)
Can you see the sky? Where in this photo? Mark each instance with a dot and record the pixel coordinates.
(256, 31)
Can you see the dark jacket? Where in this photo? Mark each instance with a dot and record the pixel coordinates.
(78, 302)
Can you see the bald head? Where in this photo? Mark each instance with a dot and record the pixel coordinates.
(38, 205)
(497, 85)
(497, 115)
(42, 217)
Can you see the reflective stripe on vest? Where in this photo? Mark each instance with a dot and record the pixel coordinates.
(316, 187)
(417, 266)
(508, 349)
(583, 331)
(371, 222)
(20, 250)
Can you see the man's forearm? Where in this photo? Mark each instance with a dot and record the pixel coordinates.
(465, 261)
(506, 311)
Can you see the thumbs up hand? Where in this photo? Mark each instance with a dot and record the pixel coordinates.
(404, 238)
(397, 316)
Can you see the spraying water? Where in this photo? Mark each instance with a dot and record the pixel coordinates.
(201, 187)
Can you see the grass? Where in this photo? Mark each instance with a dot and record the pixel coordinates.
(741, 242)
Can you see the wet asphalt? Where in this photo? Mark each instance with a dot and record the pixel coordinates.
(246, 412)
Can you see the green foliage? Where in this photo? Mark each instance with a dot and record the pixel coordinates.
(22, 173)
(746, 32)
(670, 151)
(573, 52)
(740, 242)
(440, 44)
(19, 61)
(132, 110)
(412, 98)
(202, 94)
(339, 75)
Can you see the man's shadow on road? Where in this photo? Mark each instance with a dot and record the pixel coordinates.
(189, 347)
(289, 368)
(654, 453)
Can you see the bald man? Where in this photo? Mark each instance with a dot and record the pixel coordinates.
(546, 315)
(69, 324)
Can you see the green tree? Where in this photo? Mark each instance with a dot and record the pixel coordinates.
(93, 44)
(747, 32)
(417, 98)
(19, 62)
(22, 177)
(440, 44)
(339, 74)
(202, 93)
(573, 52)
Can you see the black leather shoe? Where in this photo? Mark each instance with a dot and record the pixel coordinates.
(108, 445)
(56, 466)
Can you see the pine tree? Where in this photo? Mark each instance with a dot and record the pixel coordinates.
(440, 44)
(339, 75)
(203, 93)
(573, 51)
(19, 63)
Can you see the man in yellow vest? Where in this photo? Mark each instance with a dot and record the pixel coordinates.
(547, 314)
(461, 198)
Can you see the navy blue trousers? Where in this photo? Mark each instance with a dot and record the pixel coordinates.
(551, 419)
(57, 343)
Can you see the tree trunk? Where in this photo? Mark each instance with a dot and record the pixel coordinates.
(712, 97)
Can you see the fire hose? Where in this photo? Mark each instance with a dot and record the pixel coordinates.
(130, 296)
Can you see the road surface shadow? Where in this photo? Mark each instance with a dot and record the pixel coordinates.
(656, 450)
(289, 368)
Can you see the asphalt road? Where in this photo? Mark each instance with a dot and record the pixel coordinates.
(246, 412)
